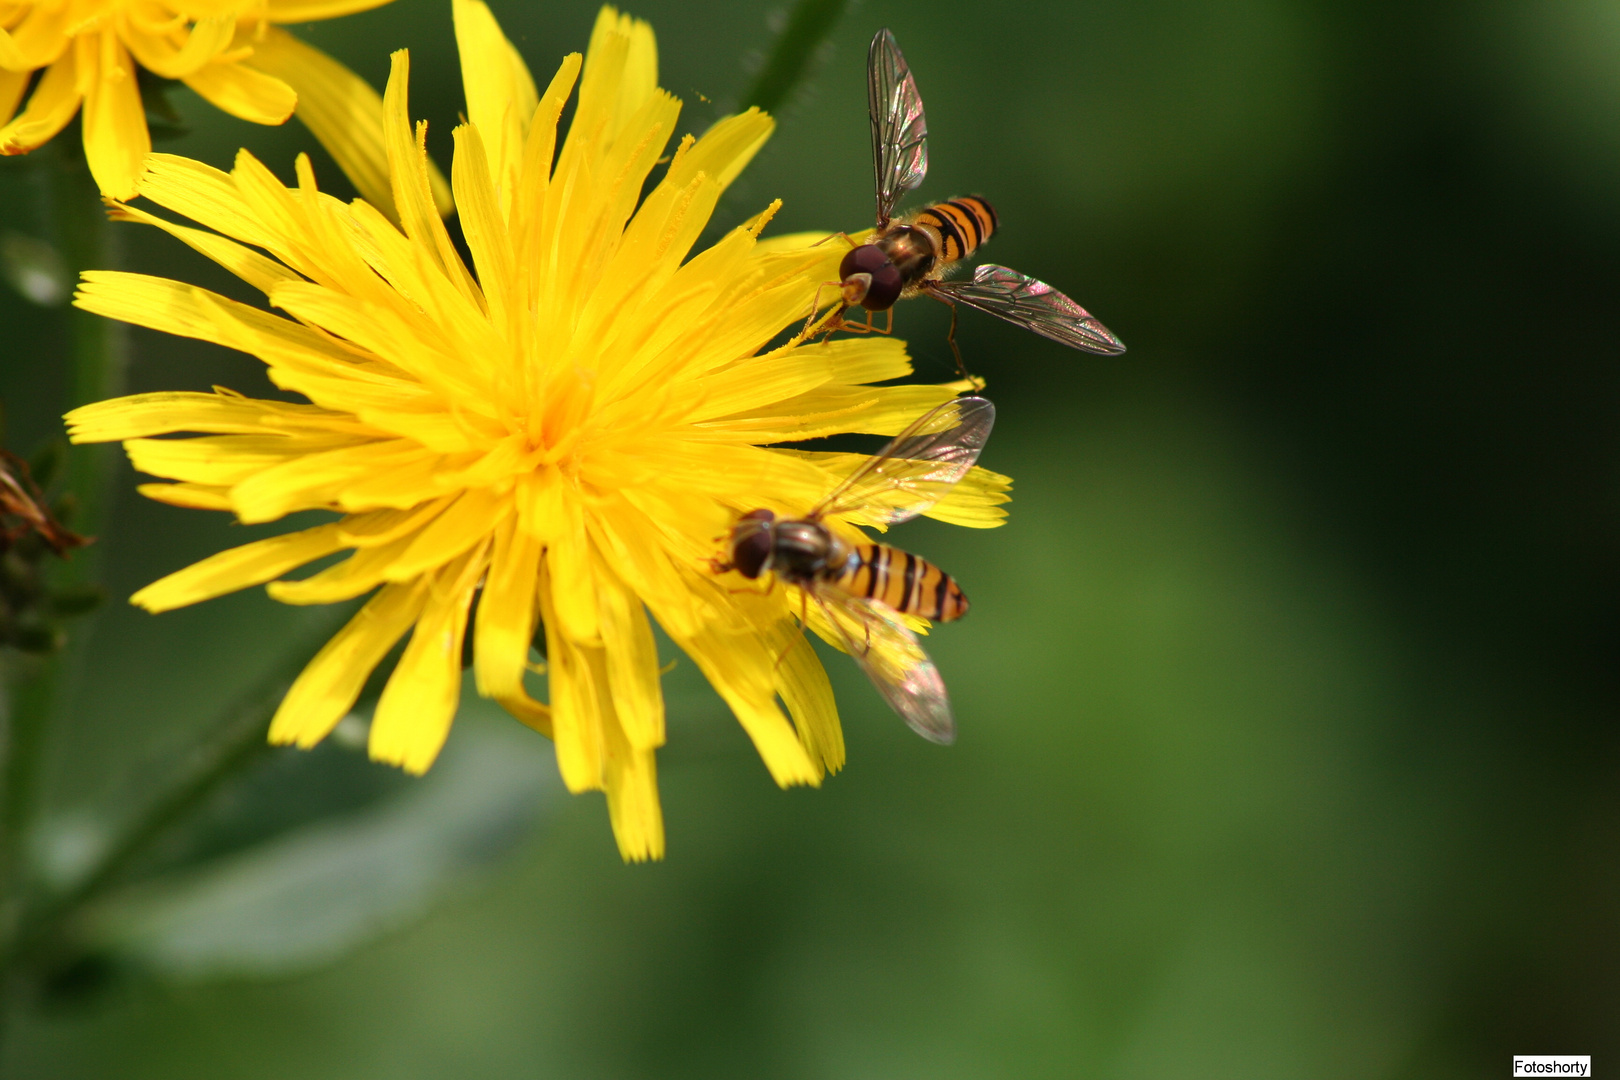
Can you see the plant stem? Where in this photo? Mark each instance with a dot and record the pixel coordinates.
(98, 350)
(33, 687)
(238, 741)
(790, 61)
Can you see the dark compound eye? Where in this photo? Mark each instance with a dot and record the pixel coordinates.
(886, 281)
(751, 550)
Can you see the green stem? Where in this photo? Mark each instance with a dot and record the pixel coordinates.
(33, 688)
(790, 61)
(98, 350)
(239, 745)
(238, 742)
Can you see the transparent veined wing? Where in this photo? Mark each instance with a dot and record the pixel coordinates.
(899, 130)
(892, 657)
(1032, 304)
(919, 466)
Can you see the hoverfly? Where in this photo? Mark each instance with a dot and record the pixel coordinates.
(863, 588)
(910, 256)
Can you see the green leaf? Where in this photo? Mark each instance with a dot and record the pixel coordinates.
(795, 53)
(309, 896)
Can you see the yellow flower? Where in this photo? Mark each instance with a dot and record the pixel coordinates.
(571, 428)
(229, 51)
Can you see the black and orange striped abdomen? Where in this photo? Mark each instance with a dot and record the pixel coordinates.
(962, 224)
(903, 581)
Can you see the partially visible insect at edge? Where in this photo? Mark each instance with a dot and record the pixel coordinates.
(863, 588)
(909, 256)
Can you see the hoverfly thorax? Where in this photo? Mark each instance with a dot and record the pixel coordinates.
(913, 249)
(806, 550)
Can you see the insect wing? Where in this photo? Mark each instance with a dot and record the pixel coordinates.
(919, 466)
(899, 130)
(892, 657)
(1032, 304)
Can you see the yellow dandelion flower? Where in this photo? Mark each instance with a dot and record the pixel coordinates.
(231, 52)
(569, 426)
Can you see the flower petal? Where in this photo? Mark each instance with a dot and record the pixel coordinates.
(12, 85)
(471, 518)
(632, 663)
(343, 112)
(355, 576)
(220, 413)
(506, 622)
(975, 501)
(832, 410)
(262, 273)
(501, 95)
(40, 39)
(631, 783)
(318, 477)
(408, 173)
(802, 683)
(52, 104)
(238, 567)
(206, 39)
(414, 713)
(209, 197)
(297, 11)
(742, 670)
(482, 223)
(625, 55)
(576, 701)
(327, 688)
(244, 93)
(189, 496)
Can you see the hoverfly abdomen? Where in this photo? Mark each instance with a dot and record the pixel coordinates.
(905, 582)
(961, 225)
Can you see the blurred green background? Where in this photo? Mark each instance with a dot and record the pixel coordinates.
(1288, 697)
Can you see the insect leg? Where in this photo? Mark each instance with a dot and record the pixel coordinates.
(829, 323)
(961, 368)
(804, 621)
(841, 235)
(950, 337)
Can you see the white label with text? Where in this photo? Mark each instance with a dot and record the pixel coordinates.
(1552, 1065)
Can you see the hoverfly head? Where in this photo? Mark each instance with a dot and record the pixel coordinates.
(870, 278)
(751, 543)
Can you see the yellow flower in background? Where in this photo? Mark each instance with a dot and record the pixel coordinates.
(565, 431)
(229, 51)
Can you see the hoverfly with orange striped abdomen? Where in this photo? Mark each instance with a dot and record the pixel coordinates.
(863, 589)
(910, 256)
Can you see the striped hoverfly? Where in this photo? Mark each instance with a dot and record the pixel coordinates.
(910, 255)
(863, 589)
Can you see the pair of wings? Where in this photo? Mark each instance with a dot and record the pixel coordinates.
(907, 477)
(899, 164)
